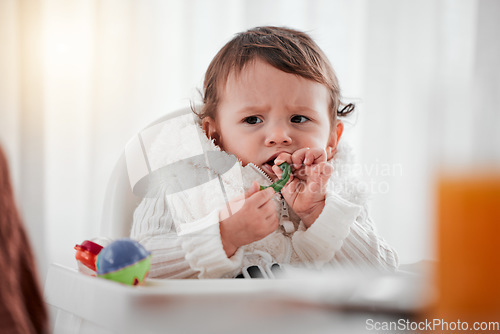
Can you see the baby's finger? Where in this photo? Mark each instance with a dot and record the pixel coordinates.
(268, 208)
(314, 156)
(235, 204)
(299, 156)
(277, 171)
(320, 174)
(260, 198)
(292, 187)
(283, 157)
(253, 189)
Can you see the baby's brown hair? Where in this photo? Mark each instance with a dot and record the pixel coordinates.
(286, 49)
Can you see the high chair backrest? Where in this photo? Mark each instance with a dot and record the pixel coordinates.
(125, 186)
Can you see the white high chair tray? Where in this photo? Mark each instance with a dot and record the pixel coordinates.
(84, 304)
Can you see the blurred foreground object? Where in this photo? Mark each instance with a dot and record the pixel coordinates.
(468, 240)
(21, 306)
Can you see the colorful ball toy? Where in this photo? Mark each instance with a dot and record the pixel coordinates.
(125, 261)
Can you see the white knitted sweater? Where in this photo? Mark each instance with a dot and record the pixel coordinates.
(179, 220)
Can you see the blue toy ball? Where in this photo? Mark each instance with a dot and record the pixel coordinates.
(125, 261)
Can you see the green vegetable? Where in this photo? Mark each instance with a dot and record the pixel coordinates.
(278, 185)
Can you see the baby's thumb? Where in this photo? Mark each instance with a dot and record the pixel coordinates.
(253, 189)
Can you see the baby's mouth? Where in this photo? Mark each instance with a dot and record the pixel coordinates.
(270, 162)
(268, 168)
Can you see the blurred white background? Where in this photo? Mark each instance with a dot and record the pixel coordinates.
(78, 78)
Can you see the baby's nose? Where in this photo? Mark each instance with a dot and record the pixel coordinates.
(278, 135)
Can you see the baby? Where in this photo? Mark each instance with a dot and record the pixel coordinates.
(270, 96)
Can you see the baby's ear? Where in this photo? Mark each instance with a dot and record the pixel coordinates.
(210, 127)
(334, 139)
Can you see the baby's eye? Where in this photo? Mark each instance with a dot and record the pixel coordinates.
(252, 120)
(299, 119)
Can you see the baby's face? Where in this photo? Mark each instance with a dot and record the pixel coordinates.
(264, 111)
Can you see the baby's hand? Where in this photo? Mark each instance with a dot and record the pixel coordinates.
(252, 218)
(306, 190)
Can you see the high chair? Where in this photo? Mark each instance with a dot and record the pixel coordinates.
(127, 180)
(83, 304)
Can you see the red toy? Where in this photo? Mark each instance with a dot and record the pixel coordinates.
(86, 255)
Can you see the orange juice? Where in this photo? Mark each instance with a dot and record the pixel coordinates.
(468, 273)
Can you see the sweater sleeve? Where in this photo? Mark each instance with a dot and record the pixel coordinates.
(343, 234)
(193, 251)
